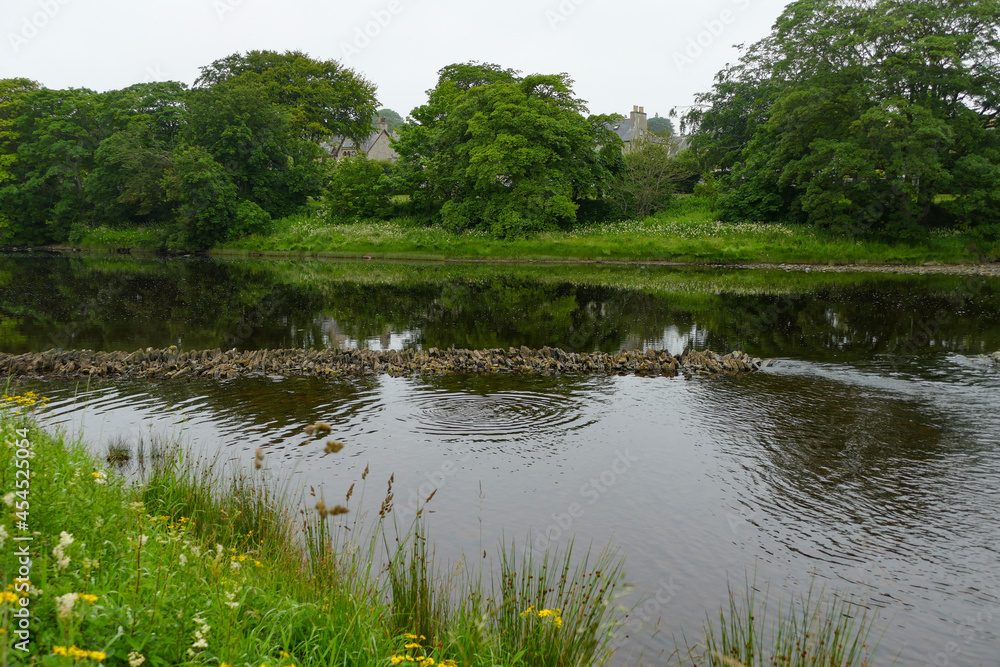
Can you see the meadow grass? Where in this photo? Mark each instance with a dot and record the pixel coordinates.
(687, 232)
(184, 562)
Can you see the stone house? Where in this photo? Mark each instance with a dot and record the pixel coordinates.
(635, 129)
(377, 146)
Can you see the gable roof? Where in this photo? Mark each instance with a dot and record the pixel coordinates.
(341, 143)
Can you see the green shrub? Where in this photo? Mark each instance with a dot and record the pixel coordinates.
(359, 188)
(250, 219)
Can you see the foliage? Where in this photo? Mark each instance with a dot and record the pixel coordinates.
(250, 219)
(73, 159)
(126, 185)
(46, 194)
(660, 126)
(358, 188)
(503, 153)
(687, 231)
(394, 120)
(13, 93)
(860, 116)
(212, 565)
(323, 97)
(647, 181)
(203, 195)
(252, 138)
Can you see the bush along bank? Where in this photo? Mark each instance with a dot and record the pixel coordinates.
(171, 364)
(189, 564)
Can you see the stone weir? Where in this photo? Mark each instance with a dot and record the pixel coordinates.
(171, 364)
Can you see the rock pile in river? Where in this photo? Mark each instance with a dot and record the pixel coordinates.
(171, 364)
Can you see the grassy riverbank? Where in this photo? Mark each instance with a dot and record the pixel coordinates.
(688, 232)
(191, 565)
(150, 558)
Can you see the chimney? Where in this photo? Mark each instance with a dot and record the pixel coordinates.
(638, 122)
(382, 124)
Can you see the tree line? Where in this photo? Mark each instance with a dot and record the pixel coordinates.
(861, 116)
(864, 117)
(244, 146)
(216, 160)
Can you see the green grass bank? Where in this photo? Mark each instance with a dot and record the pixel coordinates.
(146, 557)
(688, 232)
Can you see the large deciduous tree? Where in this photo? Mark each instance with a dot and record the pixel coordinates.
(510, 154)
(862, 115)
(58, 131)
(237, 123)
(126, 184)
(323, 98)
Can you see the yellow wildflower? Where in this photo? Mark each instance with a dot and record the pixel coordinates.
(527, 611)
(7, 596)
(87, 597)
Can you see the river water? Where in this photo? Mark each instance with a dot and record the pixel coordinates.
(866, 461)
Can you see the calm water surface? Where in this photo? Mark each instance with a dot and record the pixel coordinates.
(867, 461)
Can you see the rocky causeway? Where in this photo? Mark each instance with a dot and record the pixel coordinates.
(173, 364)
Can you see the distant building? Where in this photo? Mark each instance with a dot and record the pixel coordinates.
(377, 146)
(635, 129)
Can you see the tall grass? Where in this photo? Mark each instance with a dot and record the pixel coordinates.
(813, 631)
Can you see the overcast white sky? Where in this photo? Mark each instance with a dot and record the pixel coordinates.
(657, 54)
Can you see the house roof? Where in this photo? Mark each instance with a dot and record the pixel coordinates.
(343, 143)
(624, 129)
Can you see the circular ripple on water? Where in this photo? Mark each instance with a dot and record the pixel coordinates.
(508, 414)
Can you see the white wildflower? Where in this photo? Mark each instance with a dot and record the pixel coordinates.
(135, 659)
(64, 605)
(195, 550)
(138, 506)
(3, 535)
(8, 499)
(183, 559)
(199, 635)
(59, 551)
(234, 565)
(98, 522)
(90, 564)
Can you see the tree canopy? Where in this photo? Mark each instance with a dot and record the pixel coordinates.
(323, 98)
(861, 115)
(205, 163)
(506, 153)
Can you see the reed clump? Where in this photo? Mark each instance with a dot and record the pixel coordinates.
(813, 631)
